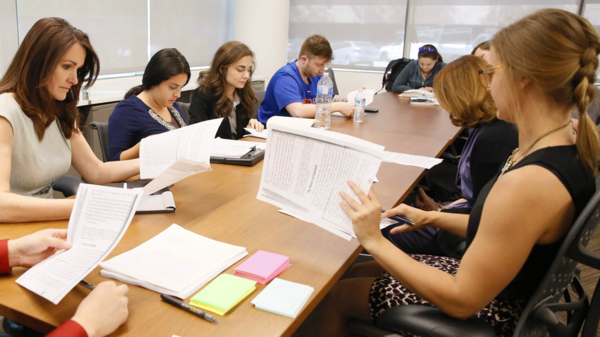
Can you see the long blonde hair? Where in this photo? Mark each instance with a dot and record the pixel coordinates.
(459, 92)
(557, 52)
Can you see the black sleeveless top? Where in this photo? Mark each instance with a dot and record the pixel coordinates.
(564, 163)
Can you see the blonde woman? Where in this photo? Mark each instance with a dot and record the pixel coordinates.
(521, 216)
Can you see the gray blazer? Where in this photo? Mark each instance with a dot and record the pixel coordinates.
(411, 78)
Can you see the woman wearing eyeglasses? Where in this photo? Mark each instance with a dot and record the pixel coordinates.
(521, 217)
(420, 73)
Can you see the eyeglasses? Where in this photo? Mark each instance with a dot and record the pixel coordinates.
(427, 49)
(486, 76)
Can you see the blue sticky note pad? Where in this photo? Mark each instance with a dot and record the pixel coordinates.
(283, 297)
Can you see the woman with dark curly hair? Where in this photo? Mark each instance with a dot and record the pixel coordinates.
(225, 91)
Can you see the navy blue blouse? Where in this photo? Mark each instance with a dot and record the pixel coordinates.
(131, 121)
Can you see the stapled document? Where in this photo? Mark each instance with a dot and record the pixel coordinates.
(306, 168)
(99, 219)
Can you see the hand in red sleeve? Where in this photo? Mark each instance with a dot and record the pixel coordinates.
(103, 310)
(33, 248)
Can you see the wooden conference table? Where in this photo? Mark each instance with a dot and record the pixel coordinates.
(222, 205)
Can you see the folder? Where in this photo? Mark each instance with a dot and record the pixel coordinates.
(224, 293)
(263, 266)
(283, 297)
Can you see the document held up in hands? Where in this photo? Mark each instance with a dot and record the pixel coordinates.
(194, 143)
(305, 169)
(100, 217)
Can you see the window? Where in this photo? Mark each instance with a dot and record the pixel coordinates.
(196, 28)
(117, 29)
(367, 34)
(8, 34)
(455, 27)
(362, 33)
(125, 34)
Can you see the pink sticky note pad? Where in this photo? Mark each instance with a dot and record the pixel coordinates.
(263, 266)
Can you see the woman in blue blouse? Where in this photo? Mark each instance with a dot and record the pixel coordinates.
(150, 108)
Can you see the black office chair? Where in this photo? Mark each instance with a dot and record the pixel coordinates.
(539, 316)
(260, 96)
(185, 108)
(102, 128)
(332, 76)
(67, 185)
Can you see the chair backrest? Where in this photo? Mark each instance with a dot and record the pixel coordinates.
(260, 96)
(538, 317)
(185, 110)
(332, 76)
(102, 128)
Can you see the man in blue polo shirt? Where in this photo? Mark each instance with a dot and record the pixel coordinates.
(293, 88)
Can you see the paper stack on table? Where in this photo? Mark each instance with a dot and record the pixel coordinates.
(306, 168)
(263, 266)
(417, 93)
(99, 219)
(228, 148)
(224, 293)
(410, 160)
(176, 262)
(157, 203)
(254, 133)
(283, 298)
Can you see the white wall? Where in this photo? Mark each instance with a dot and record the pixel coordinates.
(9, 41)
(263, 26)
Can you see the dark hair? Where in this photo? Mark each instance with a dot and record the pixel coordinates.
(430, 51)
(33, 66)
(163, 65)
(316, 45)
(214, 78)
(485, 45)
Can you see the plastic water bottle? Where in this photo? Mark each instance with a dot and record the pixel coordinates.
(323, 102)
(359, 107)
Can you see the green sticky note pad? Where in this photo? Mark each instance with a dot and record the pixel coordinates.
(223, 293)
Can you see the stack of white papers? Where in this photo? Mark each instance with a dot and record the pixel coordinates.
(417, 93)
(430, 101)
(228, 148)
(410, 160)
(100, 217)
(160, 203)
(254, 133)
(306, 168)
(176, 262)
(283, 297)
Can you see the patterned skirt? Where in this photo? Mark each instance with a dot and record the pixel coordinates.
(386, 293)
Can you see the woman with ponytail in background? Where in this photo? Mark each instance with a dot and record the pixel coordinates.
(521, 217)
(150, 108)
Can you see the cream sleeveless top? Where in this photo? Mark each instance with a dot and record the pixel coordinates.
(35, 164)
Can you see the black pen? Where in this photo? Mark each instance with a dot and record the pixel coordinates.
(177, 303)
(87, 284)
(400, 219)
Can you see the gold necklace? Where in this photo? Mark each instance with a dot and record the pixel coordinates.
(512, 160)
